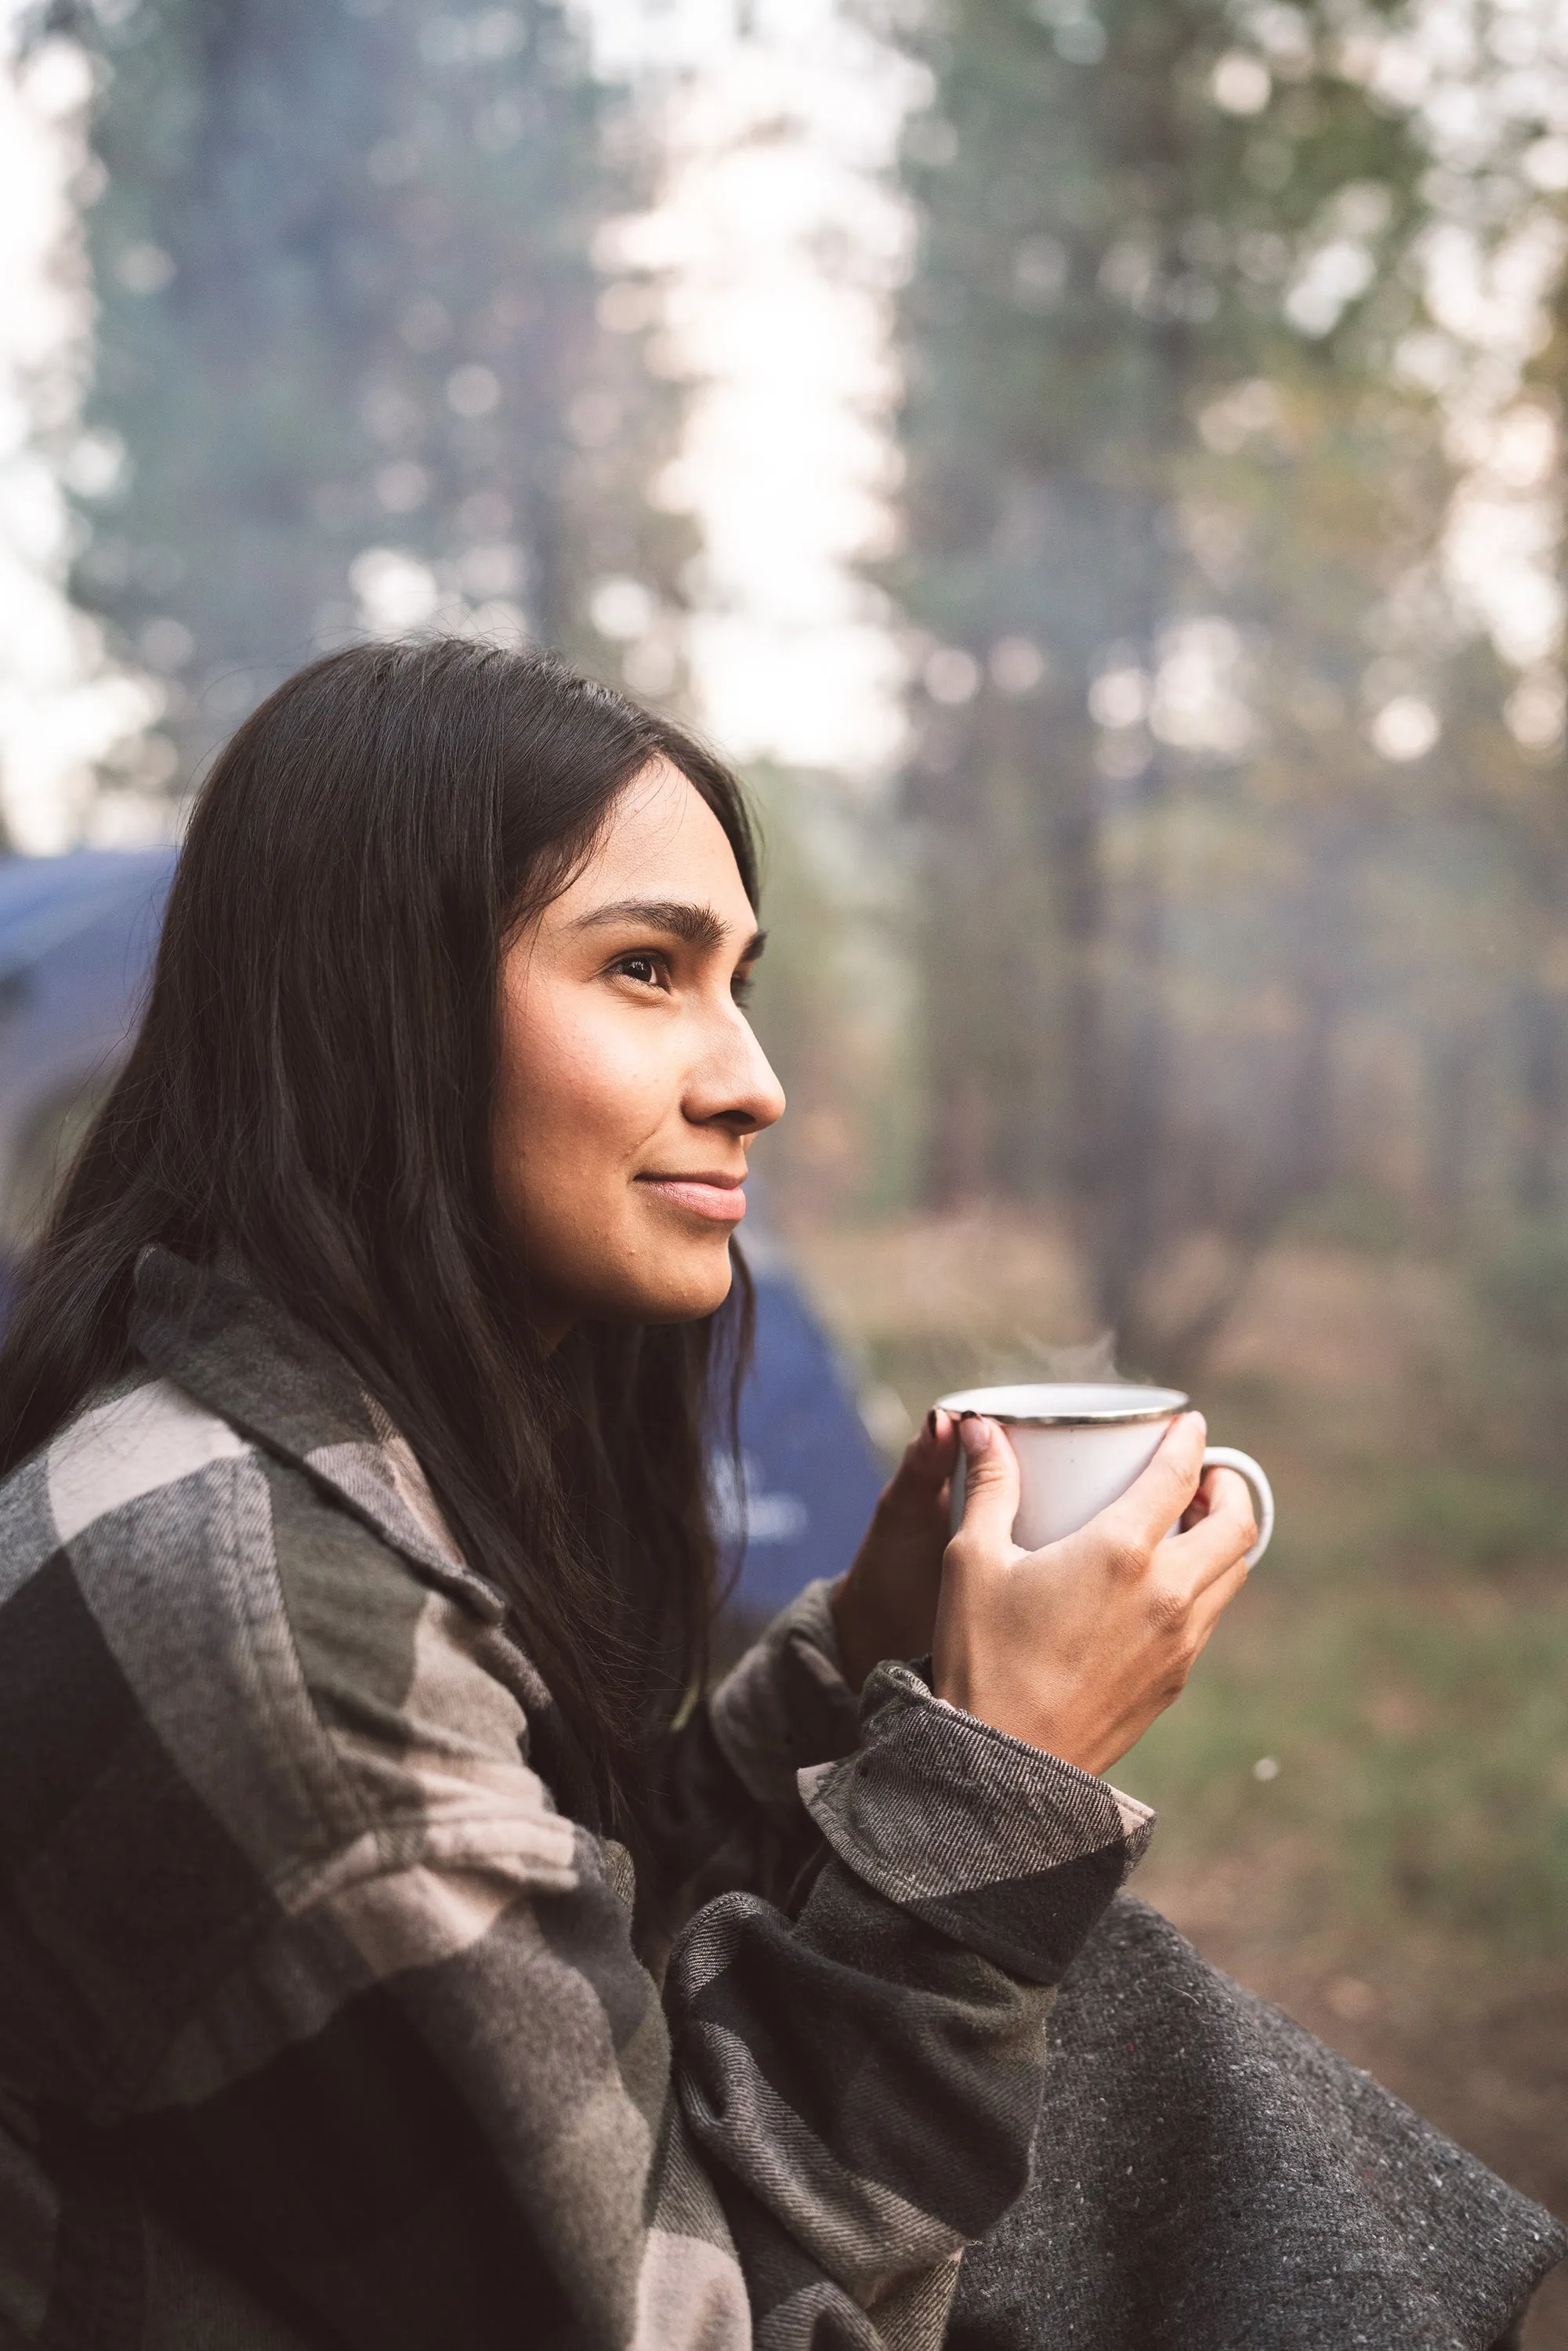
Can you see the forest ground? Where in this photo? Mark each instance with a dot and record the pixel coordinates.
(1397, 1875)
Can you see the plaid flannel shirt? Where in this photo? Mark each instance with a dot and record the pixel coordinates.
(321, 2024)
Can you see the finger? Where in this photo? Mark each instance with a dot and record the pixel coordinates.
(1214, 1600)
(934, 1449)
(1153, 1502)
(915, 1486)
(990, 1485)
(1223, 1536)
(1203, 1502)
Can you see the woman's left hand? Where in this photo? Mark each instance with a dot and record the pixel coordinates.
(885, 1606)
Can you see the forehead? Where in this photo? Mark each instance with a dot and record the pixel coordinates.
(661, 840)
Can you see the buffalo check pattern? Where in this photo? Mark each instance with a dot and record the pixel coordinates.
(321, 2024)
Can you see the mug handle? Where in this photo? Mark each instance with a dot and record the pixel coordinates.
(1226, 1456)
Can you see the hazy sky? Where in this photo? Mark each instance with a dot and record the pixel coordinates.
(782, 240)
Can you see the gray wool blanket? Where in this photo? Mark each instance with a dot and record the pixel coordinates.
(1210, 2177)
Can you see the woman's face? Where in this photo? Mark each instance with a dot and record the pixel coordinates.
(631, 1084)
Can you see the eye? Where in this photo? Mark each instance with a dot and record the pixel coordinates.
(646, 969)
(743, 986)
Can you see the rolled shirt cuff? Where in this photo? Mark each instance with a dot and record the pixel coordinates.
(1010, 1850)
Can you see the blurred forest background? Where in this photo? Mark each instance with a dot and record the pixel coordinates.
(1188, 973)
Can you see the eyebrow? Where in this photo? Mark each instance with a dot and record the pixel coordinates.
(695, 926)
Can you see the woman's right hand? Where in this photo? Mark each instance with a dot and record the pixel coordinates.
(1076, 1649)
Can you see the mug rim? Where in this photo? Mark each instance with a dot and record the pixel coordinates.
(1108, 1415)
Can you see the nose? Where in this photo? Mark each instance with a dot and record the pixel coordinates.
(733, 1085)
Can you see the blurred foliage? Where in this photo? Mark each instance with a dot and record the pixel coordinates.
(1475, 1515)
(1522, 1283)
(1421, 1742)
(1240, 895)
(833, 997)
(1525, 1283)
(353, 343)
(1353, 1216)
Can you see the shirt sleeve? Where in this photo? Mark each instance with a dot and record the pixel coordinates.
(437, 2098)
(786, 1705)
(727, 1813)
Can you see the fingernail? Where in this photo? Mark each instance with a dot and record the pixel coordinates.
(973, 1434)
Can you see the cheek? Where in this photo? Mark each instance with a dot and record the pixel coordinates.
(580, 1092)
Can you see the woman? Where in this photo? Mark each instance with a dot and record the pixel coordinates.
(354, 1585)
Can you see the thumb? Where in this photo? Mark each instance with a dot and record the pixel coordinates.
(990, 1484)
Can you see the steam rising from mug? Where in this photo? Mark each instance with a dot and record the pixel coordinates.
(1082, 1443)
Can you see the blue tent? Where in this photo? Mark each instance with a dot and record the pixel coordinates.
(77, 939)
(808, 1475)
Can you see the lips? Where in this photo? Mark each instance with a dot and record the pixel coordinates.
(718, 1199)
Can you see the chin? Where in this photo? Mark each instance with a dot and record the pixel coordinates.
(684, 1294)
(691, 1305)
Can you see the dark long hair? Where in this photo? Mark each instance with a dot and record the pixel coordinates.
(311, 1088)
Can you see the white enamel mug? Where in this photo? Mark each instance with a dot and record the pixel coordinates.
(1080, 1444)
